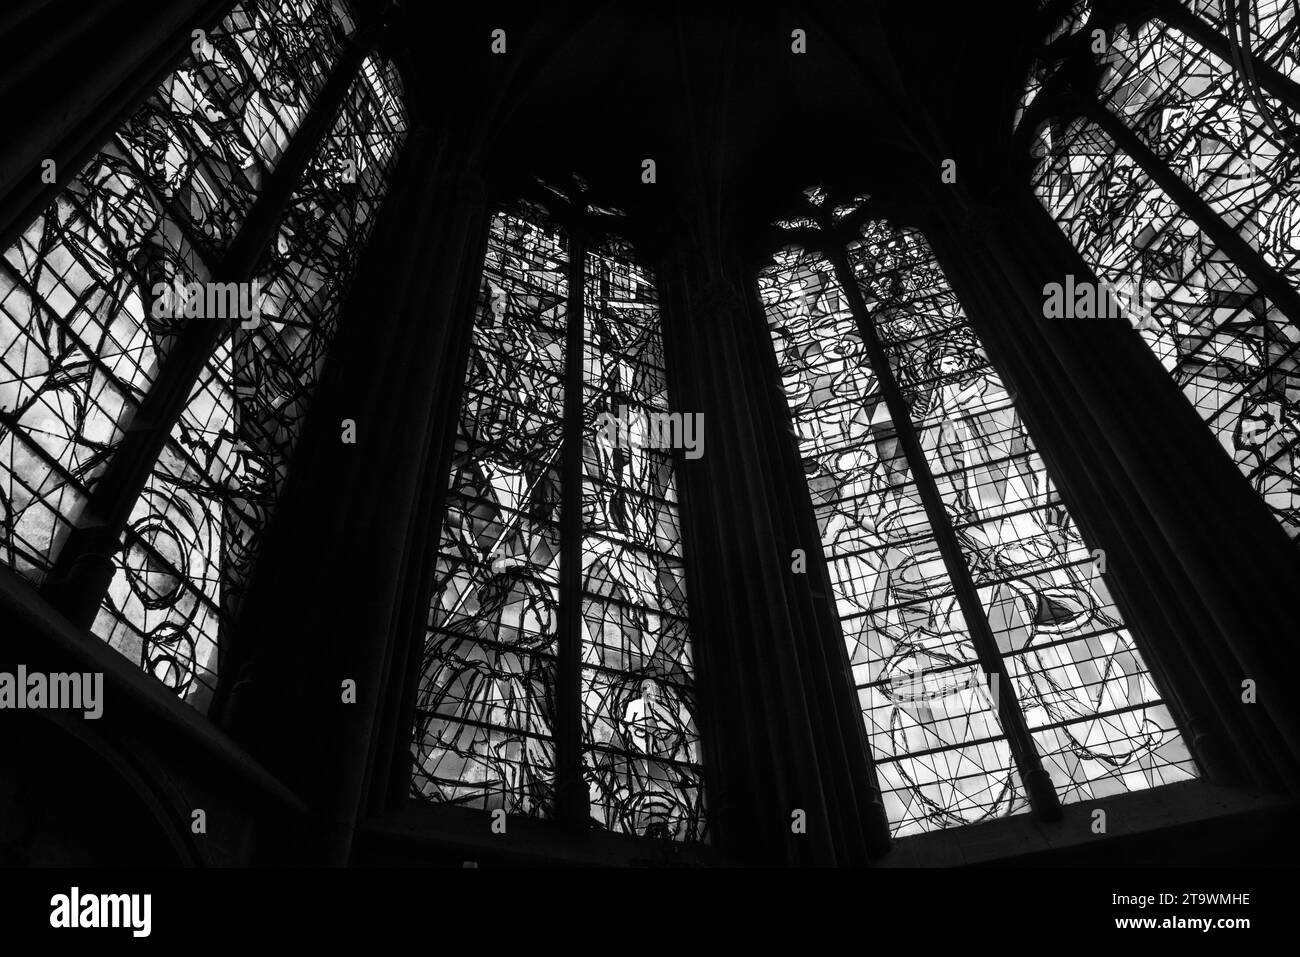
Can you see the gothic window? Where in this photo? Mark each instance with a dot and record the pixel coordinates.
(640, 745)
(981, 635)
(91, 300)
(1230, 347)
(194, 533)
(485, 733)
(506, 656)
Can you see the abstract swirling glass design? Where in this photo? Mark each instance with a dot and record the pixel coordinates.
(1089, 702)
(1096, 717)
(485, 735)
(225, 462)
(940, 751)
(80, 345)
(1270, 29)
(1230, 349)
(211, 133)
(641, 746)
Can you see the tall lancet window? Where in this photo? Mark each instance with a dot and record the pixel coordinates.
(1174, 116)
(981, 635)
(558, 634)
(79, 345)
(195, 532)
(104, 297)
(485, 733)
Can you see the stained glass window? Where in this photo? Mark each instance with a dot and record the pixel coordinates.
(208, 137)
(1229, 348)
(641, 747)
(1268, 29)
(81, 340)
(942, 755)
(485, 730)
(194, 533)
(485, 733)
(77, 351)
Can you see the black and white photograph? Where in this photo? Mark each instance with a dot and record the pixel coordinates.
(703, 456)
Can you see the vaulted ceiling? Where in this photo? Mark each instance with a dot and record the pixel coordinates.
(714, 94)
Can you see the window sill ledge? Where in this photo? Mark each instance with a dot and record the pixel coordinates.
(1182, 824)
(424, 835)
(32, 632)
